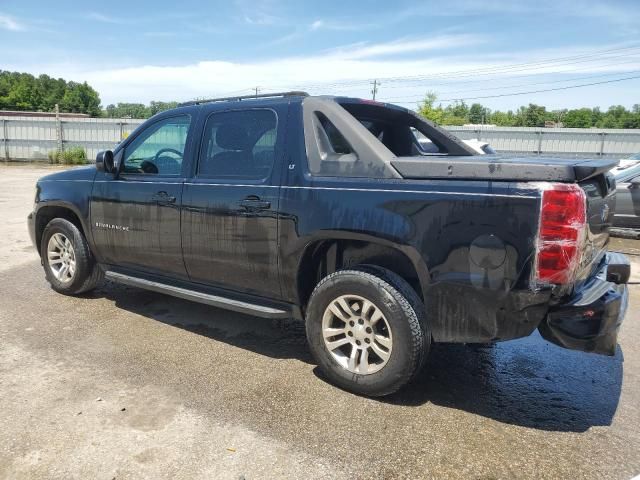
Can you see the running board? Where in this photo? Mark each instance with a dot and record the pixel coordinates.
(200, 297)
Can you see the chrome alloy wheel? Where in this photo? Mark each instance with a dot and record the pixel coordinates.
(357, 334)
(61, 257)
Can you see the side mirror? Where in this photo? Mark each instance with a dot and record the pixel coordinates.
(104, 161)
(635, 181)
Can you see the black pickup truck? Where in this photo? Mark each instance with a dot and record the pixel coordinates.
(328, 210)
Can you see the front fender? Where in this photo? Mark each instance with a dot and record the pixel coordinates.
(70, 195)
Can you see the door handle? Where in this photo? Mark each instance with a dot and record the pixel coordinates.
(163, 197)
(254, 203)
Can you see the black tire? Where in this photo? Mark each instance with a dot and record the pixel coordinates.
(88, 273)
(404, 312)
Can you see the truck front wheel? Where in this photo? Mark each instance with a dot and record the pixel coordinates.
(367, 330)
(68, 263)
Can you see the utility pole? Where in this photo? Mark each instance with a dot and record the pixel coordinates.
(257, 90)
(374, 90)
(59, 138)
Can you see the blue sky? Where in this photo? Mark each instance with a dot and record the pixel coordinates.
(165, 50)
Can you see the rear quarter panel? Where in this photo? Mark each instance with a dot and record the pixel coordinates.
(471, 242)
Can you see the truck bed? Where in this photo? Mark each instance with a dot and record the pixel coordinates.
(493, 167)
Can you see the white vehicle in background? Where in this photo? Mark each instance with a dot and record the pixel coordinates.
(627, 174)
(627, 162)
(479, 146)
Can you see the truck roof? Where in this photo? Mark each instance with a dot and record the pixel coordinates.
(288, 96)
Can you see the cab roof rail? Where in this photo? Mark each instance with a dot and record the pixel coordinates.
(245, 97)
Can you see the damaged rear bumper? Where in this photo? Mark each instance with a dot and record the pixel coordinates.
(590, 320)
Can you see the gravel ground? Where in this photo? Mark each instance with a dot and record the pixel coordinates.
(124, 383)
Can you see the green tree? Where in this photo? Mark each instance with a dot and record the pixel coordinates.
(504, 119)
(80, 98)
(127, 110)
(23, 91)
(428, 109)
(531, 116)
(157, 107)
(477, 114)
(580, 118)
(458, 110)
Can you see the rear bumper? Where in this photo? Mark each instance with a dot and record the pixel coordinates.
(590, 320)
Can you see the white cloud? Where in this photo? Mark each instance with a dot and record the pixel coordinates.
(622, 17)
(401, 46)
(336, 25)
(317, 25)
(160, 34)
(9, 23)
(348, 70)
(262, 19)
(100, 17)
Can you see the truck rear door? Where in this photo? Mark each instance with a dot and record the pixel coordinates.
(230, 205)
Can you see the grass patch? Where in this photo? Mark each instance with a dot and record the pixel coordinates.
(70, 156)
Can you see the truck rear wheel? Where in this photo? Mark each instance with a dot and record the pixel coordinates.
(68, 263)
(367, 330)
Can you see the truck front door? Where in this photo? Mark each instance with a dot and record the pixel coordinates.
(135, 218)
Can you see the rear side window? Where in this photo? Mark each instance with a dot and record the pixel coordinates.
(239, 144)
(336, 157)
(335, 143)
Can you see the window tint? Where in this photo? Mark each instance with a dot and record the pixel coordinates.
(335, 156)
(159, 149)
(425, 145)
(337, 143)
(239, 144)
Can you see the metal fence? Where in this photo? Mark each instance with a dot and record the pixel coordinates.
(564, 141)
(32, 138)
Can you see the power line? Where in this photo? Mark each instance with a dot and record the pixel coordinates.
(519, 67)
(537, 91)
(413, 97)
(430, 85)
(569, 60)
(502, 71)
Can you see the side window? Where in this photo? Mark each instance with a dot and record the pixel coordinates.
(239, 144)
(336, 157)
(334, 141)
(424, 145)
(158, 150)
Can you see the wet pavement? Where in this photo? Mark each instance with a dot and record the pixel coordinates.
(213, 394)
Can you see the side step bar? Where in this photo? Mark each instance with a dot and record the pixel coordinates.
(200, 297)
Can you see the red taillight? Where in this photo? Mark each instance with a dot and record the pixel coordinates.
(562, 227)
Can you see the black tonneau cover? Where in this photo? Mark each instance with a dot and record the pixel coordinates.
(492, 167)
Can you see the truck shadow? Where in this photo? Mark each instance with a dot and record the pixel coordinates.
(526, 382)
(272, 338)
